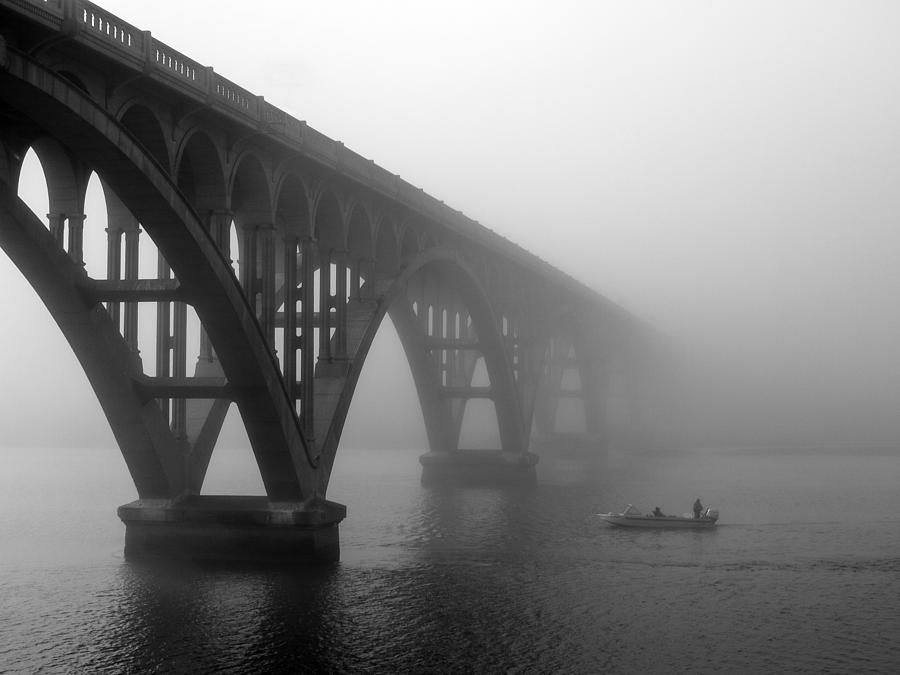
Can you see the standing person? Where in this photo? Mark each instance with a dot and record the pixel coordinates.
(698, 508)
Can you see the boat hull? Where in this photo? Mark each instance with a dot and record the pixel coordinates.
(658, 522)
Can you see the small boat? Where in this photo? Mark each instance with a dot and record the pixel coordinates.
(632, 517)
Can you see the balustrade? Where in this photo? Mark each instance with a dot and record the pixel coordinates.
(99, 22)
(178, 64)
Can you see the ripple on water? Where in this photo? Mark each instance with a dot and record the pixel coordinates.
(489, 580)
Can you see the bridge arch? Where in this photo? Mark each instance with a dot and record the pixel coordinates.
(292, 206)
(409, 243)
(200, 172)
(328, 221)
(387, 247)
(29, 168)
(251, 197)
(141, 435)
(572, 346)
(79, 80)
(6, 164)
(143, 123)
(440, 426)
(67, 179)
(360, 249)
(249, 365)
(360, 235)
(429, 240)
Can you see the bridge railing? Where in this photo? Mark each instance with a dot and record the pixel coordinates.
(185, 70)
(235, 97)
(108, 32)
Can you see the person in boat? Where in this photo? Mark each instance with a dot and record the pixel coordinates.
(698, 508)
(658, 513)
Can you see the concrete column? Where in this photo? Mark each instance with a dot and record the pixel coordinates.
(325, 305)
(248, 263)
(307, 356)
(57, 225)
(340, 302)
(163, 334)
(76, 237)
(266, 282)
(219, 224)
(367, 268)
(289, 356)
(179, 368)
(422, 305)
(132, 253)
(220, 231)
(113, 265)
(355, 274)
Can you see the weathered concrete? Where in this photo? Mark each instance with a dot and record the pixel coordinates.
(233, 528)
(479, 467)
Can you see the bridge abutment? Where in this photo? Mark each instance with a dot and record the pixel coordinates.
(233, 528)
(479, 467)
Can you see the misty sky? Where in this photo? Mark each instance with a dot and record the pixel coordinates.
(727, 171)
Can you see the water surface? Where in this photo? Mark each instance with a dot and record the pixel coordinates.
(801, 575)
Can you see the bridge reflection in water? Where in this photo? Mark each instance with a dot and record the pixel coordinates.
(280, 251)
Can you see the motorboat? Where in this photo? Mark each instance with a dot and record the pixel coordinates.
(632, 517)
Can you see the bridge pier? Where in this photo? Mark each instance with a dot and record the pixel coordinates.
(479, 467)
(233, 528)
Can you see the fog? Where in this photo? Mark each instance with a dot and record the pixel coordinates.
(725, 171)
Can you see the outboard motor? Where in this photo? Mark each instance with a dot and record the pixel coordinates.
(712, 514)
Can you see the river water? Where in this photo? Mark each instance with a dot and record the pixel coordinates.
(801, 575)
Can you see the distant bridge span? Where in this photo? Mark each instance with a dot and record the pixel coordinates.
(327, 243)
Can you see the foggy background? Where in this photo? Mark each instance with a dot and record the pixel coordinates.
(726, 171)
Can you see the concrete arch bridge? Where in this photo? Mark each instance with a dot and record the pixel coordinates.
(286, 250)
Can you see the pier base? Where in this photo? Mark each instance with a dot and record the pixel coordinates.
(227, 528)
(479, 467)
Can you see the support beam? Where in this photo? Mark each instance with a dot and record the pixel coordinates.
(134, 290)
(183, 387)
(281, 321)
